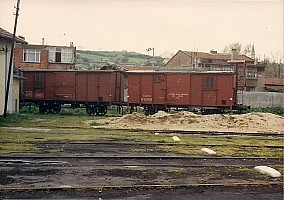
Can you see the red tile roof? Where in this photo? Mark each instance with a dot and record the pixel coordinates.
(217, 56)
(274, 81)
(5, 34)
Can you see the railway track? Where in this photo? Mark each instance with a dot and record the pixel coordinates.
(157, 192)
(137, 161)
(109, 170)
(181, 132)
(130, 143)
(158, 143)
(205, 133)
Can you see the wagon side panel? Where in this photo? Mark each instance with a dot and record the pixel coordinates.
(134, 88)
(196, 87)
(146, 89)
(105, 82)
(118, 87)
(65, 86)
(159, 88)
(49, 86)
(81, 87)
(209, 89)
(225, 90)
(28, 85)
(178, 89)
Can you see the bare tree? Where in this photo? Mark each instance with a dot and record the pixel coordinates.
(228, 48)
(247, 50)
(274, 66)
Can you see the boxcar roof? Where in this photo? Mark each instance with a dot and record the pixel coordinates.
(61, 70)
(179, 71)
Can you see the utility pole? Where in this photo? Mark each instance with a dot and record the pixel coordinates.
(11, 59)
(279, 69)
(151, 49)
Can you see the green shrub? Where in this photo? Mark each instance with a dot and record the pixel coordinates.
(275, 110)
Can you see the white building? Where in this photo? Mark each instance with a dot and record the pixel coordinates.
(6, 41)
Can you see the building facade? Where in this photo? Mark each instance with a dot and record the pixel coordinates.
(44, 57)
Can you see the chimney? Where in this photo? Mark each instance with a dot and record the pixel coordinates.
(71, 44)
(233, 55)
(213, 51)
(21, 37)
(42, 41)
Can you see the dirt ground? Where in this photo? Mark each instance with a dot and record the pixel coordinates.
(251, 122)
(123, 178)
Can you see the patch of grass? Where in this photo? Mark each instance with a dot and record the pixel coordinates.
(11, 147)
(96, 124)
(234, 151)
(74, 127)
(275, 110)
(178, 171)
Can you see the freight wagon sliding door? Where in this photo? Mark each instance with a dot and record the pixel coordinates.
(159, 84)
(178, 89)
(226, 84)
(209, 90)
(65, 86)
(105, 85)
(49, 86)
(90, 87)
(196, 86)
(203, 90)
(133, 88)
(81, 86)
(28, 85)
(140, 88)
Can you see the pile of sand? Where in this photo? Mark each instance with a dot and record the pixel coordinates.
(251, 122)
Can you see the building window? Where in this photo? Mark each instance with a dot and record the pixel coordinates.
(58, 55)
(209, 83)
(251, 73)
(31, 55)
(39, 80)
(61, 55)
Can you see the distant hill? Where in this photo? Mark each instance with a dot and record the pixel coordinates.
(93, 59)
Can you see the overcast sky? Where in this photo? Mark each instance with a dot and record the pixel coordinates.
(134, 25)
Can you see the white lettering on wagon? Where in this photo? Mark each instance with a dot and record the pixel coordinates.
(65, 96)
(177, 95)
(146, 97)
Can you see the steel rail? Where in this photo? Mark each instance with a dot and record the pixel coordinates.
(194, 132)
(100, 188)
(136, 165)
(145, 144)
(149, 143)
(139, 157)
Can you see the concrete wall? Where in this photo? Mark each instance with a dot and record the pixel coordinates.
(263, 99)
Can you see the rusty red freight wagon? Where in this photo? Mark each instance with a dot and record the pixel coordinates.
(95, 90)
(211, 92)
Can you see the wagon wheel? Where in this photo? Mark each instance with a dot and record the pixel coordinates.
(101, 110)
(56, 108)
(146, 112)
(42, 108)
(90, 109)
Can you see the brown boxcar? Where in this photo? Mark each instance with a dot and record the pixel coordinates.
(93, 89)
(161, 90)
